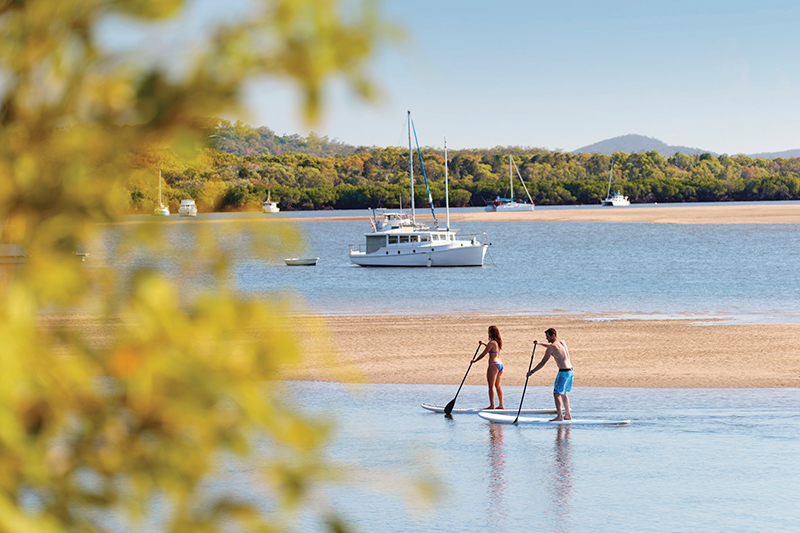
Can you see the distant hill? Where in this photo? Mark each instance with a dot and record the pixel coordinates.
(640, 143)
(637, 143)
(786, 154)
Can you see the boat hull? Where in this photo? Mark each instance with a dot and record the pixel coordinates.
(461, 254)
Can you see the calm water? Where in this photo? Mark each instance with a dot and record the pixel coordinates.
(691, 460)
(743, 273)
(721, 460)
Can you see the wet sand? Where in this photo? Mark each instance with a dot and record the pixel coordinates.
(605, 352)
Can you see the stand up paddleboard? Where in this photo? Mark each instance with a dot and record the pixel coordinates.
(476, 410)
(509, 419)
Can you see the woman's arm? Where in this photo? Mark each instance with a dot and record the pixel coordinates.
(489, 345)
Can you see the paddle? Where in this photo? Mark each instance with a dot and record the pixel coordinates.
(449, 407)
(526, 383)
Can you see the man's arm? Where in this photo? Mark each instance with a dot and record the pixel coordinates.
(542, 362)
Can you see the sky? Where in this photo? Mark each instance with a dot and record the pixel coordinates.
(722, 76)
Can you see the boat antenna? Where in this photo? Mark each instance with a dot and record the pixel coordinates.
(411, 169)
(446, 189)
(422, 164)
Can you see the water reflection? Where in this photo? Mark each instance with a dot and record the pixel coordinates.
(561, 485)
(496, 504)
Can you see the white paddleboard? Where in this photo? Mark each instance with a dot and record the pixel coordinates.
(476, 410)
(509, 419)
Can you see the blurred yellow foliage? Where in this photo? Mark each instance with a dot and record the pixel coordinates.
(116, 389)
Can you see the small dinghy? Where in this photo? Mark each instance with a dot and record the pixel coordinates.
(296, 261)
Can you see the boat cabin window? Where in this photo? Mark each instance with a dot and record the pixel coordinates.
(403, 238)
(375, 243)
(392, 239)
(424, 238)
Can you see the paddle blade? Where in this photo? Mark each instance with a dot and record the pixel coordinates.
(449, 407)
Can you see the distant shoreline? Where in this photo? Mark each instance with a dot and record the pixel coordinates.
(713, 213)
(685, 213)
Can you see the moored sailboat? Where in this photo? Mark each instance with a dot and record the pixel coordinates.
(616, 200)
(399, 240)
(510, 204)
(162, 210)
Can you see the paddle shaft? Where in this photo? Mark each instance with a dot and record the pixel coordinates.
(449, 407)
(530, 365)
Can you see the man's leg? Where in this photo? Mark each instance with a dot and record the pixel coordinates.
(557, 398)
(567, 414)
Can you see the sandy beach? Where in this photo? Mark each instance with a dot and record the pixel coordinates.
(605, 353)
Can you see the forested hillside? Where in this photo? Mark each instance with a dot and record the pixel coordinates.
(241, 165)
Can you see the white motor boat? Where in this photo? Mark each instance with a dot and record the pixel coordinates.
(269, 206)
(509, 204)
(187, 208)
(616, 199)
(398, 240)
(162, 210)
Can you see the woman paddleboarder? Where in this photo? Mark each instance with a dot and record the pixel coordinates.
(495, 371)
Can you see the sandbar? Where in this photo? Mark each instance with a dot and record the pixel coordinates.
(688, 213)
(437, 349)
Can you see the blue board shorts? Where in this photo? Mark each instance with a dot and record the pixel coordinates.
(563, 382)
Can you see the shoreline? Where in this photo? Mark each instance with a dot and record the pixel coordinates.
(672, 213)
(436, 349)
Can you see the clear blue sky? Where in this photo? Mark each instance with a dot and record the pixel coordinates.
(720, 76)
(714, 75)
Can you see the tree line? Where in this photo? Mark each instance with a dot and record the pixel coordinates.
(240, 166)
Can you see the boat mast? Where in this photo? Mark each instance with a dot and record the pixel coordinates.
(411, 168)
(610, 174)
(446, 190)
(159, 189)
(510, 177)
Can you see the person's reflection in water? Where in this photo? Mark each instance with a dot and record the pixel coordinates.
(496, 511)
(562, 481)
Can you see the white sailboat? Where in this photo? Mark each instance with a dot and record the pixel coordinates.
(162, 210)
(509, 204)
(398, 240)
(616, 199)
(269, 206)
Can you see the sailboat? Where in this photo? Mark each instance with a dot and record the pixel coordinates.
(398, 240)
(509, 204)
(616, 200)
(162, 210)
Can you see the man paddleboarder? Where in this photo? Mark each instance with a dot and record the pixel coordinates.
(557, 349)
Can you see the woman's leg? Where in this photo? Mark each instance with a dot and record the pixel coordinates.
(490, 375)
(497, 386)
